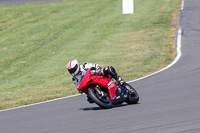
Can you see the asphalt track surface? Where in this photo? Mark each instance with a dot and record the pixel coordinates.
(169, 101)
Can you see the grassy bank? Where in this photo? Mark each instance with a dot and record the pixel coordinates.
(37, 40)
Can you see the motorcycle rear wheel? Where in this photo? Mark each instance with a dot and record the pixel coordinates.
(103, 102)
(133, 96)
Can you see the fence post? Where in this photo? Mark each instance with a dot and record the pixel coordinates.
(128, 6)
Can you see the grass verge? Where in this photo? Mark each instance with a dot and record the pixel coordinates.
(37, 40)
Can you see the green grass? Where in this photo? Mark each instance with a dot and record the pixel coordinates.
(37, 40)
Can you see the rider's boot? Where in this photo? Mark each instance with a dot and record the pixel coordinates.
(119, 80)
(120, 96)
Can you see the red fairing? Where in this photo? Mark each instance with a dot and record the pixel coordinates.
(89, 79)
(84, 84)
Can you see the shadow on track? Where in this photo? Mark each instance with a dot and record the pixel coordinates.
(99, 108)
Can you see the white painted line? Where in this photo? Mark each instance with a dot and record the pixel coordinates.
(179, 36)
(170, 65)
(182, 5)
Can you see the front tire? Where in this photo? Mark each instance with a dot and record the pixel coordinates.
(133, 96)
(100, 97)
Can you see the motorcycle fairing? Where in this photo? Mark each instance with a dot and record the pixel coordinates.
(107, 83)
(89, 79)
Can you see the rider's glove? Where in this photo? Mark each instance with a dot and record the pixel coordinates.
(93, 71)
(96, 70)
(120, 81)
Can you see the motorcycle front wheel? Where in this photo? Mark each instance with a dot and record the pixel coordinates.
(133, 96)
(100, 97)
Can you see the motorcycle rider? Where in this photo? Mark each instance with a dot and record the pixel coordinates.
(78, 71)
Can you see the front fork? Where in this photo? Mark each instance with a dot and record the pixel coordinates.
(101, 94)
(99, 91)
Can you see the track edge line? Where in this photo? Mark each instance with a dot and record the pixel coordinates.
(178, 48)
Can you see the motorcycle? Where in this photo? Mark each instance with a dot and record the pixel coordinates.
(105, 92)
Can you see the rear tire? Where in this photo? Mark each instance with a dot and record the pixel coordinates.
(133, 96)
(103, 102)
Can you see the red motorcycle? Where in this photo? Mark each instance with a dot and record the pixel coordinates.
(104, 92)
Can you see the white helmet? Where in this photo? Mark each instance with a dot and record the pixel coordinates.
(73, 67)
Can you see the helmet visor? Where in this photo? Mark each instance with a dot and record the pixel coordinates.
(73, 70)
